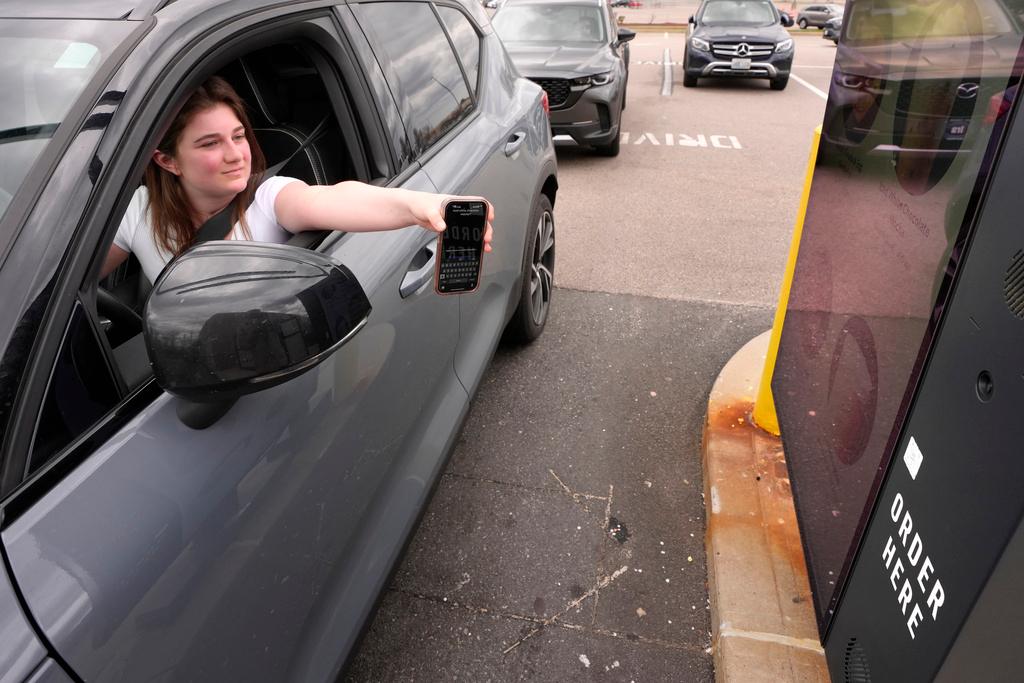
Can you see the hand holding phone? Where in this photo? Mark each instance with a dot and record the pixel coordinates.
(460, 247)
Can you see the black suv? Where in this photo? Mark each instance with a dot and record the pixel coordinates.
(745, 38)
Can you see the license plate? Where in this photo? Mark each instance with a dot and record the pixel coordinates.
(956, 129)
(741, 64)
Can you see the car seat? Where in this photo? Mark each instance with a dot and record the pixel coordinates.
(287, 100)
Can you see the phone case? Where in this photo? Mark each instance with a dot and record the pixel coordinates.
(440, 246)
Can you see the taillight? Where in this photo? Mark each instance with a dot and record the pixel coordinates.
(998, 105)
(544, 102)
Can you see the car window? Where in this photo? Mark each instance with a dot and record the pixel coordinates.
(424, 75)
(870, 21)
(466, 40)
(80, 391)
(754, 12)
(44, 66)
(550, 24)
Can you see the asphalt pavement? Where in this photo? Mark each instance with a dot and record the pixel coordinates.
(566, 538)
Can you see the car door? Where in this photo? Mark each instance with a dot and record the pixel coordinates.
(494, 143)
(252, 549)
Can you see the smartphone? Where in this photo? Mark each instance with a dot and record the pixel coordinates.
(460, 247)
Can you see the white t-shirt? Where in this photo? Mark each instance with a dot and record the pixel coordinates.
(135, 234)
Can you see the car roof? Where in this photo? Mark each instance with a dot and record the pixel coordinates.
(589, 3)
(77, 9)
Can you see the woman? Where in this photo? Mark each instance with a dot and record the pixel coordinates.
(209, 159)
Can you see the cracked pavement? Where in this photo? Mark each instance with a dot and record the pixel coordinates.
(566, 537)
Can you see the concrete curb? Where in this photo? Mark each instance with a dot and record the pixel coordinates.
(762, 615)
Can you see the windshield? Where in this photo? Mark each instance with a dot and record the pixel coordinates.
(547, 24)
(44, 65)
(752, 12)
(888, 20)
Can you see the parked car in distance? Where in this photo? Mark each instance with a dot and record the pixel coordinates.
(576, 52)
(818, 15)
(785, 16)
(211, 479)
(737, 38)
(619, 3)
(833, 27)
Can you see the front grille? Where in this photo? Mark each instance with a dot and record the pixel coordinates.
(753, 50)
(556, 88)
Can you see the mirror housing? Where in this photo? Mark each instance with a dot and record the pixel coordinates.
(229, 318)
(690, 20)
(625, 35)
(786, 20)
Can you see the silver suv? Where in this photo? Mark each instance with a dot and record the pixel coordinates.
(818, 15)
(575, 51)
(212, 480)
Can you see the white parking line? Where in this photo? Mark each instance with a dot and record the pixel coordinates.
(666, 76)
(820, 93)
(680, 140)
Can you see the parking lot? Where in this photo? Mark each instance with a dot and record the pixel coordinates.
(565, 540)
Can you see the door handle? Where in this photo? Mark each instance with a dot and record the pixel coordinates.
(421, 269)
(514, 143)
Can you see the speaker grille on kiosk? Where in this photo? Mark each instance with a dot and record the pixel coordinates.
(1013, 285)
(855, 663)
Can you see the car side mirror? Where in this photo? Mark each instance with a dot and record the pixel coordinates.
(231, 318)
(625, 35)
(785, 20)
(690, 20)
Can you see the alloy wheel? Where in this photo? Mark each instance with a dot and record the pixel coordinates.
(542, 269)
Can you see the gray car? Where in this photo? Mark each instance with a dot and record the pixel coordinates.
(818, 15)
(211, 480)
(573, 49)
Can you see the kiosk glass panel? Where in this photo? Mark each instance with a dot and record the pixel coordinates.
(918, 101)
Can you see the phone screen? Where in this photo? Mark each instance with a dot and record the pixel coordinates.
(462, 245)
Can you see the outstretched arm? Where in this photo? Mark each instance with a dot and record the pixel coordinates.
(352, 206)
(115, 257)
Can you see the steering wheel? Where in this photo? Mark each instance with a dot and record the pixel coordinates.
(123, 319)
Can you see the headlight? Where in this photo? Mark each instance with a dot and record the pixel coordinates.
(584, 82)
(784, 46)
(851, 81)
(701, 44)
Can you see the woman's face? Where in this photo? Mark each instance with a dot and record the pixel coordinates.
(212, 158)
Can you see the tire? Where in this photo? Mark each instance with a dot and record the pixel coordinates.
(779, 83)
(531, 314)
(689, 80)
(802, 23)
(625, 88)
(612, 148)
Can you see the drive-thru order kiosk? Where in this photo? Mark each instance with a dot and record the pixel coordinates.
(899, 384)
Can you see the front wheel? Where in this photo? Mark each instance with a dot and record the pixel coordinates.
(779, 83)
(803, 23)
(531, 315)
(689, 80)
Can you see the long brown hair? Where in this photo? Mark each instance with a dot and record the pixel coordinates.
(173, 218)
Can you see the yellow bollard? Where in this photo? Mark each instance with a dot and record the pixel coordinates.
(764, 406)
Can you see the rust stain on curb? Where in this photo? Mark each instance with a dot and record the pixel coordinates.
(763, 624)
